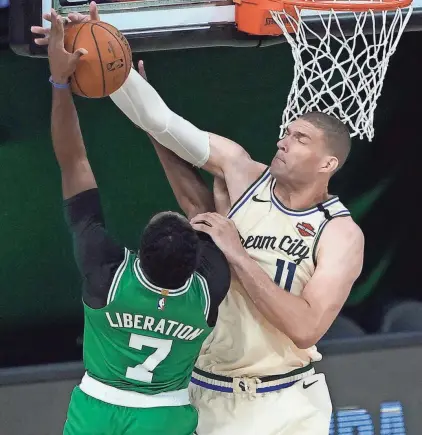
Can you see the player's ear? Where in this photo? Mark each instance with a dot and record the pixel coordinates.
(329, 164)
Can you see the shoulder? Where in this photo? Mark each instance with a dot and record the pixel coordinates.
(83, 208)
(342, 244)
(344, 229)
(215, 270)
(213, 265)
(85, 195)
(211, 254)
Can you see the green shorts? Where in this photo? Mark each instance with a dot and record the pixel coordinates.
(89, 416)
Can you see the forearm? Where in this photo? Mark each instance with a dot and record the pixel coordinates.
(141, 103)
(221, 196)
(189, 188)
(65, 130)
(68, 145)
(290, 314)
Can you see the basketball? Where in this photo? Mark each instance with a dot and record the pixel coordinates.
(106, 66)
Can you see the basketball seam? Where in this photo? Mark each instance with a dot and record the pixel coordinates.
(73, 50)
(121, 46)
(127, 62)
(99, 56)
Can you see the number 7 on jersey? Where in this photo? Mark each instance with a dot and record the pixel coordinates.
(144, 372)
(291, 270)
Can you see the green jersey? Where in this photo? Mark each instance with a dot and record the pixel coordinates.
(146, 339)
(140, 341)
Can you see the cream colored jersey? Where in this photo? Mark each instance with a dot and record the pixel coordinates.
(283, 242)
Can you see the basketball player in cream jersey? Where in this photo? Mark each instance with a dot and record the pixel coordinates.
(297, 257)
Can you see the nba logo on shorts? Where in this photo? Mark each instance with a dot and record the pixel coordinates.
(161, 304)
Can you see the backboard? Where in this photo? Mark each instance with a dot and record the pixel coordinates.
(152, 25)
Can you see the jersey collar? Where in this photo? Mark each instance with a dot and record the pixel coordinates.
(305, 212)
(159, 290)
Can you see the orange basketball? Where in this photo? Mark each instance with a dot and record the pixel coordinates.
(106, 66)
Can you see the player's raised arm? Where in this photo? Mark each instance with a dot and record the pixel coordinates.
(222, 157)
(73, 18)
(66, 134)
(305, 318)
(97, 255)
(143, 105)
(189, 188)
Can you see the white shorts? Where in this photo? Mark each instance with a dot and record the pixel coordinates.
(301, 407)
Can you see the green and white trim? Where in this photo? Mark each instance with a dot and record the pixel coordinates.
(205, 289)
(117, 277)
(150, 286)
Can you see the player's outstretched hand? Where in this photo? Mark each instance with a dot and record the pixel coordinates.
(62, 63)
(72, 19)
(141, 69)
(224, 233)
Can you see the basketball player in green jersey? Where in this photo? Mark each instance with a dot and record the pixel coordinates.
(147, 313)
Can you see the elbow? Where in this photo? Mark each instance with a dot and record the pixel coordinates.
(191, 210)
(305, 343)
(308, 331)
(305, 339)
(192, 206)
(73, 164)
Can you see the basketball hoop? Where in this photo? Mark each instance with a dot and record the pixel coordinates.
(341, 50)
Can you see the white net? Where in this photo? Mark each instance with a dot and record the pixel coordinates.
(340, 72)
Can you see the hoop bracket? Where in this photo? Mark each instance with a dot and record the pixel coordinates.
(254, 16)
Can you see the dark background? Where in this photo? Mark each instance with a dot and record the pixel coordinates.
(238, 93)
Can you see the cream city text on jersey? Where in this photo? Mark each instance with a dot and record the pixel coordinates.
(295, 248)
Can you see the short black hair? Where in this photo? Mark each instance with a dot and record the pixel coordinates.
(336, 133)
(169, 250)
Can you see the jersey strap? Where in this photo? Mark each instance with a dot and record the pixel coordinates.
(249, 192)
(132, 399)
(206, 292)
(328, 217)
(117, 277)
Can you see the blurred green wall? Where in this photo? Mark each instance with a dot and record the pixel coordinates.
(238, 93)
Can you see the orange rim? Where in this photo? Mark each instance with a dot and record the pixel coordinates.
(344, 5)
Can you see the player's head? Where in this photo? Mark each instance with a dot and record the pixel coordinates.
(314, 145)
(169, 250)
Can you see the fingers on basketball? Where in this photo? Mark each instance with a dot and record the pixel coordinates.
(47, 17)
(141, 69)
(106, 66)
(77, 18)
(93, 11)
(57, 29)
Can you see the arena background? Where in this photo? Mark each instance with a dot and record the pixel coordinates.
(238, 93)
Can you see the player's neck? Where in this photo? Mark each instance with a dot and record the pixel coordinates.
(303, 197)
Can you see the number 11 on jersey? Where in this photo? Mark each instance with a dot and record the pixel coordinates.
(291, 269)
